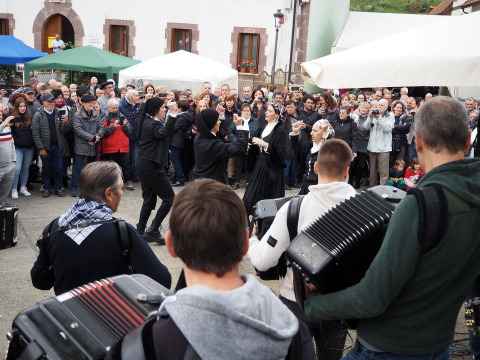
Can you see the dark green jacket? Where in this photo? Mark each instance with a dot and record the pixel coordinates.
(409, 302)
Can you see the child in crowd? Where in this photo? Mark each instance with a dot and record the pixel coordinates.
(397, 174)
(413, 174)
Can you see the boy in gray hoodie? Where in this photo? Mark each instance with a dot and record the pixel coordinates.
(7, 157)
(220, 314)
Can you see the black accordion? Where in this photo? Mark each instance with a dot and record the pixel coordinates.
(83, 323)
(8, 226)
(336, 250)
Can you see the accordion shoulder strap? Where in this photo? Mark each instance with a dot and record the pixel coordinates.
(433, 212)
(293, 214)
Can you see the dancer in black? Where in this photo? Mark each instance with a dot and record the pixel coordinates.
(321, 131)
(268, 179)
(153, 140)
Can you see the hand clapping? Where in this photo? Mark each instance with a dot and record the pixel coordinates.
(172, 106)
(237, 120)
(296, 127)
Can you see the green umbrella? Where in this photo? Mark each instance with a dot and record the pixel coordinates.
(85, 58)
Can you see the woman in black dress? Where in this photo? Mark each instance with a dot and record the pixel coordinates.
(268, 180)
(321, 131)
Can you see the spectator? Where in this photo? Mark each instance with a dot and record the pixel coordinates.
(34, 84)
(278, 98)
(217, 92)
(66, 96)
(361, 165)
(297, 97)
(208, 98)
(47, 131)
(428, 96)
(225, 89)
(183, 96)
(149, 89)
(32, 104)
(108, 88)
(413, 174)
(123, 92)
(291, 118)
(57, 44)
(98, 93)
(259, 106)
(74, 98)
(473, 119)
(470, 104)
(402, 273)
(24, 146)
(380, 142)
(346, 129)
(308, 113)
(52, 83)
(250, 124)
(399, 132)
(404, 91)
(378, 95)
(397, 174)
(129, 106)
(93, 86)
(115, 144)
(178, 141)
(88, 132)
(388, 97)
(73, 87)
(8, 156)
(70, 265)
(409, 118)
(329, 110)
(361, 98)
(247, 94)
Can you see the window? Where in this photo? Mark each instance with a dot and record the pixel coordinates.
(248, 49)
(4, 27)
(181, 40)
(119, 39)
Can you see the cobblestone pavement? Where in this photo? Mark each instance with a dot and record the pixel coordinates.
(16, 290)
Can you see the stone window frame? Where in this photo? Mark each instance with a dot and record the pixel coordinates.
(52, 8)
(262, 56)
(301, 41)
(130, 24)
(182, 26)
(11, 22)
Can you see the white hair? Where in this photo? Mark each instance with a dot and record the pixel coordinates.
(405, 90)
(111, 102)
(130, 93)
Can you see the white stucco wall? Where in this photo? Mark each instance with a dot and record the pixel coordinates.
(215, 18)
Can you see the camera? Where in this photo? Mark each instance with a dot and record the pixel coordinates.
(162, 95)
(375, 112)
(263, 100)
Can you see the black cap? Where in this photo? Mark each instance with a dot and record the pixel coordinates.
(131, 85)
(47, 97)
(141, 94)
(28, 90)
(88, 97)
(105, 84)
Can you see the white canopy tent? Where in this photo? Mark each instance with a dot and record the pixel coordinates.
(363, 27)
(179, 70)
(438, 54)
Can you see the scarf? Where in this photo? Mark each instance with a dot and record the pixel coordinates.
(84, 211)
(60, 105)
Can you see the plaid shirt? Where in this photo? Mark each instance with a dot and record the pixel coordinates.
(84, 211)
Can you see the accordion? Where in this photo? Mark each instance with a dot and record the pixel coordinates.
(336, 250)
(8, 226)
(83, 323)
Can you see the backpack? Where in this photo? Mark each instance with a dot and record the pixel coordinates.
(124, 239)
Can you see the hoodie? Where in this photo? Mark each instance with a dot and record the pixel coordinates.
(408, 301)
(249, 322)
(7, 147)
(318, 201)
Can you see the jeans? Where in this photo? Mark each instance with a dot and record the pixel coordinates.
(289, 176)
(24, 159)
(412, 152)
(54, 157)
(133, 159)
(77, 167)
(475, 340)
(176, 156)
(364, 354)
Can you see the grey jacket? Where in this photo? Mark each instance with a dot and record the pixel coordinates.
(363, 135)
(380, 133)
(251, 314)
(410, 119)
(41, 130)
(86, 128)
(7, 147)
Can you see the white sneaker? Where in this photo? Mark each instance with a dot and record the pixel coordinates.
(14, 194)
(24, 191)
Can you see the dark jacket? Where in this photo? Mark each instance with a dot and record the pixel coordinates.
(400, 131)
(300, 116)
(275, 155)
(86, 128)
(153, 139)
(260, 115)
(363, 135)
(129, 110)
(394, 173)
(41, 130)
(99, 256)
(212, 154)
(331, 116)
(22, 136)
(33, 108)
(309, 119)
(224, 126)
(184, 121)
(289, 150)
(253, 125)
(347, 131)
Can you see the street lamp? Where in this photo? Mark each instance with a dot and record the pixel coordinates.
(278, 22)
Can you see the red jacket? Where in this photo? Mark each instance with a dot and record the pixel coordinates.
(118, 141)
(409, 173)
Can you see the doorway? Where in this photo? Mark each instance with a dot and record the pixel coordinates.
(57, 24)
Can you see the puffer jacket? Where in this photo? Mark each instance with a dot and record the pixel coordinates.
(347, 131)
(41, 130)
(117, 140)
(86, 128)
(129, 110)
(380, 133)
(182, 125)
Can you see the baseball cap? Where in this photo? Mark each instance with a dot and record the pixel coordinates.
(28, 90)
(47, 97)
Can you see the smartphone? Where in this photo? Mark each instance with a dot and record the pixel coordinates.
(162, 95)
(15, 120)
(62, 112)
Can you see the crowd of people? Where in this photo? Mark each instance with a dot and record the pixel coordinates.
(326, 145)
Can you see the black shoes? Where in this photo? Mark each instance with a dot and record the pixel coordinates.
(236, 186)
(177, 183)
(153, 235)
(141, 229)
(287, 187)
(230, 181)
(296, 185)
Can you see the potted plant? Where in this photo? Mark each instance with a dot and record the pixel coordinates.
(244, 65)
(251, 67)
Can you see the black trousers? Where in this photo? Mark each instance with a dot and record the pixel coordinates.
(240, 162)
(329, 335)
(122, 159)
(154, 184)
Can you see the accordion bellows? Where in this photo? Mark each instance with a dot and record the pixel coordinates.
(336, 250)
